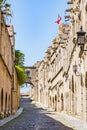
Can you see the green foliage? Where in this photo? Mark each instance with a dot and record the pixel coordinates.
(5, 7)
(19, 58)
(19, 63)
(2, 1)
(4, 4)
(20, 74)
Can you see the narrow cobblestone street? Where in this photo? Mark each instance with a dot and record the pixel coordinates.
(34, 118)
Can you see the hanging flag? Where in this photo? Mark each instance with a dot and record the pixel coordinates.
(67, 19)
(58, 20)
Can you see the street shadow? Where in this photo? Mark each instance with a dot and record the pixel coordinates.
(34, 118)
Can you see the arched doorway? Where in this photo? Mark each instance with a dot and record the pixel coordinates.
(2, 99)
(58, 99)
(55, 103)
(50, 102)
(9, 105)
(6, 102)
(62, 102)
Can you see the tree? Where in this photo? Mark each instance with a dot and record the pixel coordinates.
(5, 7)
(19, 58)
(20, 74)
(19, 63)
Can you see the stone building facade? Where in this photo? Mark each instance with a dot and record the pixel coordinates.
(62, 74)
(8, 78)
(32, 72)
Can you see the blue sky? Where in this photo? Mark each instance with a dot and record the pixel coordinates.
(35, 27)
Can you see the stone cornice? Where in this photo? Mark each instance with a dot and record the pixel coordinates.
(29, 67)
(69, 10)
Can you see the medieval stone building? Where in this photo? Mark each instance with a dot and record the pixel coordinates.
(9, 92)
(62, 74)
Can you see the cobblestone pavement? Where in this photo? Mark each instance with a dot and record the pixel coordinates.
(34, 118)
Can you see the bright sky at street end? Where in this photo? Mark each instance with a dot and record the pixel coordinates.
(35, 27)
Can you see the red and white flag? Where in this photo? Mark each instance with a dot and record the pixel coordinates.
(58, 20)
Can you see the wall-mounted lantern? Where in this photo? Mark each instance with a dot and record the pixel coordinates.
(81, 39)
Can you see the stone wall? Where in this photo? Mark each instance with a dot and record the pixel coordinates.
(62, 74)
(7, 82)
